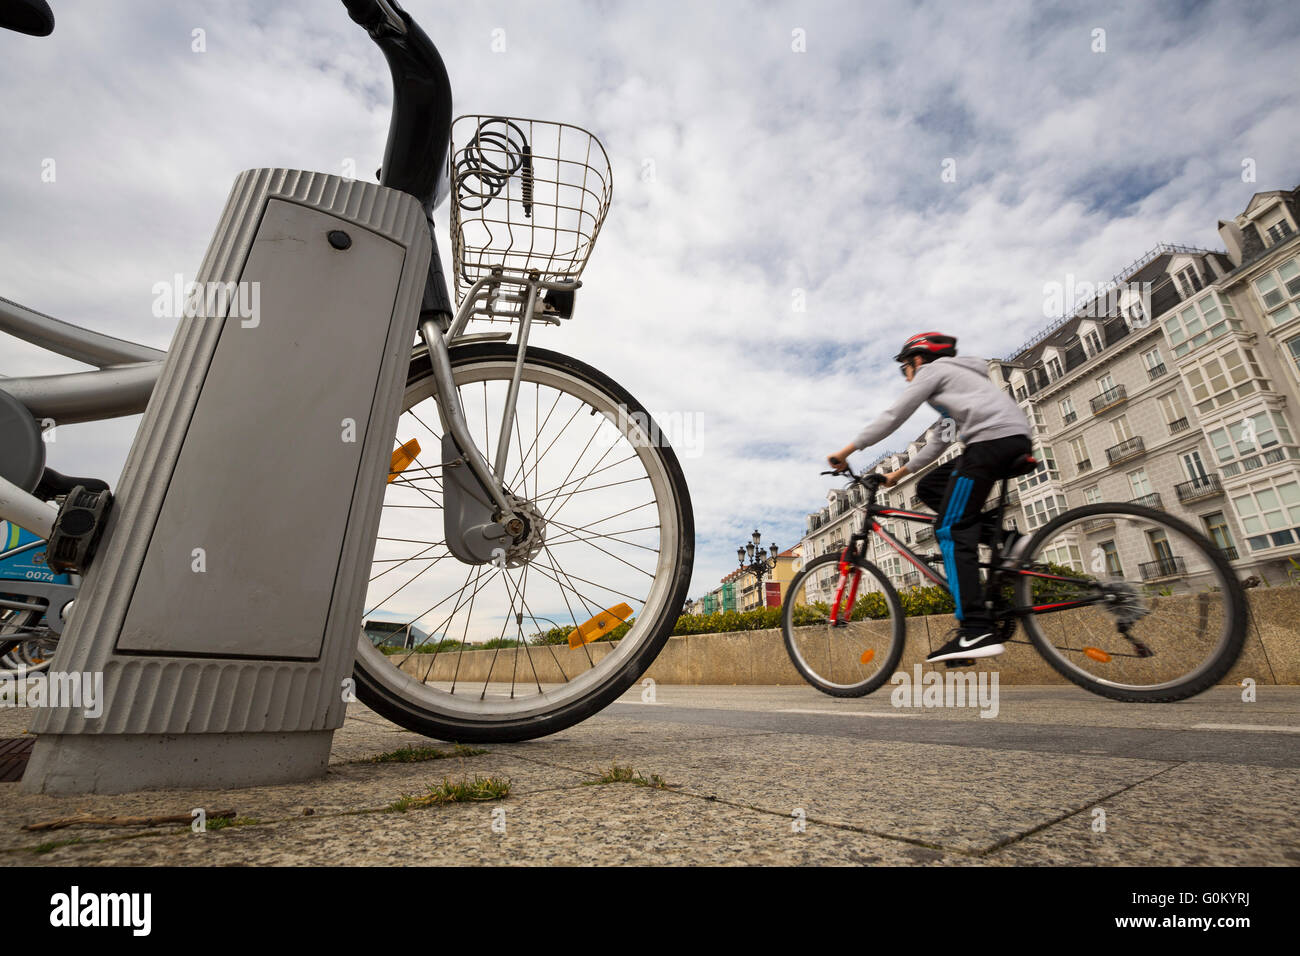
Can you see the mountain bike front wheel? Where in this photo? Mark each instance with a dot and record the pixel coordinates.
(1149, 610)
(854, 657)
(489, 652)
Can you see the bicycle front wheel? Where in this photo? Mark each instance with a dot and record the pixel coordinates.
(482, 652)
(856, 658)
(1131, 603)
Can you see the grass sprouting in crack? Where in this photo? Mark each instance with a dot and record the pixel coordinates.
(418, 754)
(478, 790)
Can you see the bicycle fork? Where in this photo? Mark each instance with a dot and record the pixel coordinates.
(836, 620)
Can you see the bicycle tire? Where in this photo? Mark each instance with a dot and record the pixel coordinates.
(793, 642)
(396, 699)
(1207, 675)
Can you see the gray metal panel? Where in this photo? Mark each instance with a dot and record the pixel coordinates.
(264, 482)
(168, 695)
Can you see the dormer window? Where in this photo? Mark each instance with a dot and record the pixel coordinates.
(1278, 231)
(1189, 282)
(1053, 366)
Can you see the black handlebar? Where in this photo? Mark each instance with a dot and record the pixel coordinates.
(419, 132)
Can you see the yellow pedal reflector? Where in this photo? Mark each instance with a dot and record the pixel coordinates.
(1097, 654)
(402, 459)
(600, 625)
(867, 655)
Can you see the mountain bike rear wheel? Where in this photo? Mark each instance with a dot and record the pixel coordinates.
(1152, 610)
(610, 527)
(856, 658)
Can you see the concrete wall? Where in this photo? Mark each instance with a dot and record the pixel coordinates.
(1271, 654)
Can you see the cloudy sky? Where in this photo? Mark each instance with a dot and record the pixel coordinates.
(781, 217)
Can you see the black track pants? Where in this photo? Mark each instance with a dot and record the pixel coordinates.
(957, 491)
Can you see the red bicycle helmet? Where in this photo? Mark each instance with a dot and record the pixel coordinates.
(930, 344)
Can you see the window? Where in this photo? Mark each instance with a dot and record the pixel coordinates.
(1064, 554)
(1278, 230)
(1139, 483)
(1160, 549)
(1270, 514)
(1034, 414)
(1105, 384)
(1155, 364)
(1189, 281)
(1068, 413)
(1040, 512)
(1047, 470)
(1279, 291)
(1092, 496)
(1293, 349)
(1021, 394)
(1053, 368)
(1080, 450)
(1120, 427)
(1175, 416)
(1216, 529)
(1193, 465)
(1252, 433)
(1092, 342)
(1112, 558)
(1199, 322)
(1223, 378)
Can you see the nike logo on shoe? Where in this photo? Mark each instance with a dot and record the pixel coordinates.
(964, 642)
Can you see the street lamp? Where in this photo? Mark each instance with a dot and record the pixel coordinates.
(758, 565)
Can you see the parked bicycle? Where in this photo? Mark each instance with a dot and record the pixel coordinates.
(596, 516)
(1160, 629)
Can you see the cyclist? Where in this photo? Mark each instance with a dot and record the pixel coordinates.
(997, 438)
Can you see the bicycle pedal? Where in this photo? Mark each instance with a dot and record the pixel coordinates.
(77, 530)
(839, 624)
(960, 662)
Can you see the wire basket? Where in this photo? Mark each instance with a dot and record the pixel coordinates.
(528, 199)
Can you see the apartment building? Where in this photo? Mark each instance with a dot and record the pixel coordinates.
(1175, 386)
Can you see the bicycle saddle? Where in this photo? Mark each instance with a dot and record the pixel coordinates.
(33, 17)
(1024, 465)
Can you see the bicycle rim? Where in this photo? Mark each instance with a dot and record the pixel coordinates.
(1165, 615)
(850, 660)
(608, 503)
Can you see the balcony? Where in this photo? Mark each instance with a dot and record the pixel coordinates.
(1109, 399)
(1161, 568)
(911, 579)
(1205, 486)
(1125, 450)
(1147, 501)
(915, 502)
(1179, 425)
(1229, 552)
(1069, 417)
(1155, 371)
(1082, 466)
(1013, 497)
(1097, 524)
(924, 534)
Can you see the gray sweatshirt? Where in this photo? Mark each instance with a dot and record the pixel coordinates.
(958, 389)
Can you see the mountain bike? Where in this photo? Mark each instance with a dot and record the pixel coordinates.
(1126, 601)
(579, 588)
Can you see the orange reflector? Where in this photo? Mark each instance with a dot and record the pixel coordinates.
(402, 459)
(867, 655)
(600, 625)
(1097, 654)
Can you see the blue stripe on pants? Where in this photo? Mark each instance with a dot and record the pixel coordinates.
(957, 502)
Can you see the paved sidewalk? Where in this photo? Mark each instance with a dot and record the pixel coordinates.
(1207, 781)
